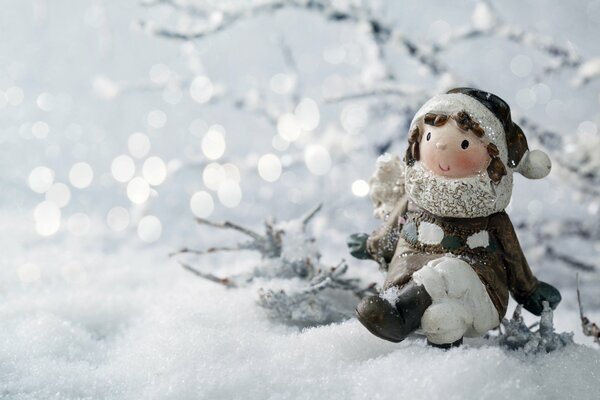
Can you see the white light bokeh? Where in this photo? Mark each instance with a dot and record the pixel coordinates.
(138, 145)
(14, 95)
(282, 83)
(40, 179)
(29, 273)
(232, 172)
(360, 188)
(149, 229)
(279, 143)
(317, 159)
(118, 219)
(230, 193)
(521, 65)
(59, 194)
(40, 129)
(154, 171)
(47, 218)
(525, 98)
(213, 142)
(213, 176)
(79, 224)
(354, 118)
(202, 204)
(289, 127)
(122, 168)
(138, 190)
(201, 89)
(307, 114)
(81, 175)
(269, 167)
(157, 119)
(45, 101)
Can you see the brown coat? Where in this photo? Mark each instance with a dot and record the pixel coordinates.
(501, 265)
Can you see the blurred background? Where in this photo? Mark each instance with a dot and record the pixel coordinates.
(121, 121)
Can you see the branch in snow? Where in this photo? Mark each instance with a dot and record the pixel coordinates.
(518, 336)
(316, 294)
(589, 328)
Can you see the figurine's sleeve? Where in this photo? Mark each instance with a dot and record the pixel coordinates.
(382, 243)
(521, 281)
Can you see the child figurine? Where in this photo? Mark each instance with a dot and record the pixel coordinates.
(449, 248)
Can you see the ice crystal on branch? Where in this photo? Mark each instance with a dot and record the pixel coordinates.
(518, 336)
(319, 294)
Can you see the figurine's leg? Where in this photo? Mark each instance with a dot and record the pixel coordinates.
(446, 346)
(461, 305)
(397, 316)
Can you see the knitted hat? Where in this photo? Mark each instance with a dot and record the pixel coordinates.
(493, 115)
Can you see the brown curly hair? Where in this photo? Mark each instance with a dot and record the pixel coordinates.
(496, 169)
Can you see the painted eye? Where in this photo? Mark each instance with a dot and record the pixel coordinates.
(464, 144)
(428, 136)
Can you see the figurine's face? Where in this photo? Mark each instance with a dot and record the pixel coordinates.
(449, 151)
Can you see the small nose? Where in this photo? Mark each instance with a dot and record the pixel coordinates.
(440, 145)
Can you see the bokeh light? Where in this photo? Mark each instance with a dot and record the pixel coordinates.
(118, 219)
(45, 101)
(157, 119)
(149, 229)
(201, 89)
(213, 175)
(354, 118)
(521, 65)
(138, 190)
(230, 193)
(307, 114)
(317, 159)
(213, 142)
(232, 172)
(289, 127)
(202, 204)
(269, 167)
(59, 194)
(14, 95)
(40, 129)
(138, 144)
(122, 168)
(81, 175)
(40, 179)
(360, 188)
(154, 171)
(47, 218)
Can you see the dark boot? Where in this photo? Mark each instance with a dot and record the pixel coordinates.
(446, 346)
(394, 322)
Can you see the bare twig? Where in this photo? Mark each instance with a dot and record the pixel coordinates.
(222, 281)
(589, 328)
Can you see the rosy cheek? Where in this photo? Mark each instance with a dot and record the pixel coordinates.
(472, 161)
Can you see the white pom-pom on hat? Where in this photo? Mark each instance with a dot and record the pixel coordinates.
(535, 164)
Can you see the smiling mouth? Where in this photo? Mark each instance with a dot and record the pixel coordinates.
(444, 169)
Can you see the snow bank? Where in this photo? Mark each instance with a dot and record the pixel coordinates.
(135, 326)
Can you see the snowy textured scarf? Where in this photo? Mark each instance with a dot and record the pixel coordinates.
(474, 196)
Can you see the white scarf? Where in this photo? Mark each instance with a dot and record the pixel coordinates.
(470, 197)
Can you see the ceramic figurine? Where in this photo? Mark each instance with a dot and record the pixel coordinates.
(449, 249)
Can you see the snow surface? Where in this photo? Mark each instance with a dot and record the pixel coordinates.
(92, 311)
(146, 329)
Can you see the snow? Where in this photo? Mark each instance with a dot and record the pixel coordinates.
(125, 332)
(92, 307)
